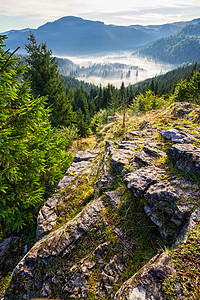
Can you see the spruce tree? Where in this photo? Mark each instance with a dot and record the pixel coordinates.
(46, 81)
(32, 157)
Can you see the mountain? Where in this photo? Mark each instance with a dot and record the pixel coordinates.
(72, 35)
(182, 47)
(164, 30)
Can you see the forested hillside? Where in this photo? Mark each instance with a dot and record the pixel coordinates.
(165, 84)
(181, 47)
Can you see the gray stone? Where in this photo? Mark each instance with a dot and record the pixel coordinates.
(83, 155)
(147, 282)
(153, 151)
(110, 119)
(174, 135)
(6, 244)
(163, 208)
(143, 158)
(140, 180)
(187, 157)
(114, 197)
(78, 167)
(57, 244)
(189, 226)
(47, 216)
(119, 158)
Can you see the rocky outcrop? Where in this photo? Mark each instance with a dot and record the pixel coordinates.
(58, 244)
(89, 256)
(82, 163)
(186, 157)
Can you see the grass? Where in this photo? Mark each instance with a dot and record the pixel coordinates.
(186, 260)
(74, 198)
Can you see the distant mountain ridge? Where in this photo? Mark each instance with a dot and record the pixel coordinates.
(182, 47)
(166, 29)
(72, 35)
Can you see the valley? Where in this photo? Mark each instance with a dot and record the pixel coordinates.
(112, 68)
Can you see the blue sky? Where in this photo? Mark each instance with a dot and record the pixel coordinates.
(18, 14)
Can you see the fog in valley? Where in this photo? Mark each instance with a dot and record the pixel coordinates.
(113, 68)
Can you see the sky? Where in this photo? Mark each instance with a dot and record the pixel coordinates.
(19, 14)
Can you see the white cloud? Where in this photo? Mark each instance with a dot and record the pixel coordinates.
(108, 11)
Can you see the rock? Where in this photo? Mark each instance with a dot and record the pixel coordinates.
(111, 273)
(183, 109)
(187, 158)
(174, 135)
(143, 158)
(153, 151)
(81, 164)
(83, 156)
(57, 244)
(164, 206)
(76, 168)
(131, 135)
(110, 119)
(119, 159)
(147, 282)
(105, 179)
(114, 197)
(6, 244)
(140, 180)
(189, 226)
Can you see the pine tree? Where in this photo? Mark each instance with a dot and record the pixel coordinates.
(46, 81)
(31, 154)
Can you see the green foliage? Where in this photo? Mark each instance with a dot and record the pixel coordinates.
(32, 156)
(46, 81)
(99, 119)
(146, 102)
(188, 91)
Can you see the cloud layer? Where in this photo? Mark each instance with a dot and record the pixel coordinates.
(32, 13)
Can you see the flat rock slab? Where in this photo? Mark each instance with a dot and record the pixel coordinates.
(144, 158)
(154, 152)
(147, 282)
(140, 180)
(187, 157)
(78, 167)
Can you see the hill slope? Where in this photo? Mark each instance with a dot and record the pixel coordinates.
(182, 47)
